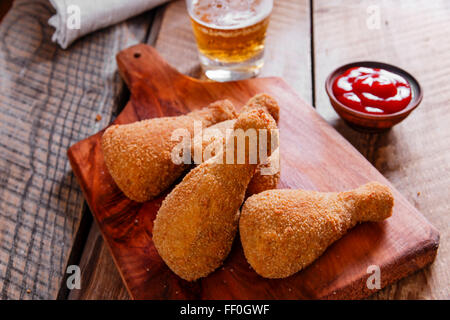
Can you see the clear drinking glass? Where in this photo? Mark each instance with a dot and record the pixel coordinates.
(230, 36)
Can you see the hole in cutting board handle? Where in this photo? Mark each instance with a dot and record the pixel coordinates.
(137, 55)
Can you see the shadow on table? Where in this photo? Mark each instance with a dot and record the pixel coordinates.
(378, 148)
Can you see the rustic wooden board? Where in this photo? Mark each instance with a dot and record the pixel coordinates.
(49, 99)
(415, 155)
(314, 156)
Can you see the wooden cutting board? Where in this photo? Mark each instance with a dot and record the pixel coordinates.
(313, 156)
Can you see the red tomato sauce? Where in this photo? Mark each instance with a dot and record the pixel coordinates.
(373, 91)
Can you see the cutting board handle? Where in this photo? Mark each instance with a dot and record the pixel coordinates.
(141, 64)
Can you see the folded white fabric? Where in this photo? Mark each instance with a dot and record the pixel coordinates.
(76, 18)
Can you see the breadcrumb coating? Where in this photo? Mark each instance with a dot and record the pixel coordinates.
(283, 231)
(138, 155)
(265, 101)
(261, 182)
(205, 145)
(197, 222)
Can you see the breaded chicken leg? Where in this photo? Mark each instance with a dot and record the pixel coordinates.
(204, 146)
(283, 231)
(267, 175)
(265, 101)
(197, 222)
(138, 155)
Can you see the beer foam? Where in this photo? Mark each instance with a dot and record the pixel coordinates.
(229, 14)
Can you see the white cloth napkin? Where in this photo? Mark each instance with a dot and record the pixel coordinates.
(76, 18)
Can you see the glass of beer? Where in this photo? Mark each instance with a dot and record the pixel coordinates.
(230, 36)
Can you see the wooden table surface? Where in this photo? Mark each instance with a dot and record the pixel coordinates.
(50, 98)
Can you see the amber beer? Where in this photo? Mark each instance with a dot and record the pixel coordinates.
(230, 35)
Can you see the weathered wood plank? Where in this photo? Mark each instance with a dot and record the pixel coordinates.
(414, 155)
(287, 55)
(49, 99)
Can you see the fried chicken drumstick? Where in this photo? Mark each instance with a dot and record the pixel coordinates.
(138, 155)
(197, 222)
(267, 174)
(283, 231)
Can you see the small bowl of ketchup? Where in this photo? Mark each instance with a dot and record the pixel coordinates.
(372, 96)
